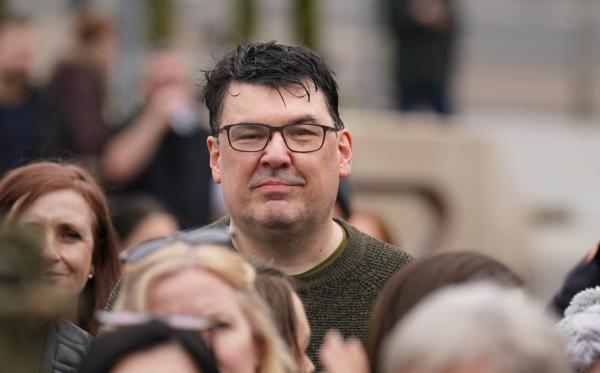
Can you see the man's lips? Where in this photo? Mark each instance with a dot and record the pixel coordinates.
(274, 184)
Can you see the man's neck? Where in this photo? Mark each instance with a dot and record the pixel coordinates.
(290, 253)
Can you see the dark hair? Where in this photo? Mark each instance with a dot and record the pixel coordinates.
(127, 211)
(273, 65)
(21, 187)
(276, 290)
(110, 348)
(421, 278)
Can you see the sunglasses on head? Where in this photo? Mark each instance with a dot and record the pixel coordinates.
(201, 236)
(121, 319)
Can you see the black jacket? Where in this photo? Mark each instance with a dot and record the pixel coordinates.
(585, 275)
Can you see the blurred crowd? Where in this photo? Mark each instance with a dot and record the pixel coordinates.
(67, 118)
(119, 254)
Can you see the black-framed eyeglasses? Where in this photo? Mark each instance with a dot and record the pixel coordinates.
(214, 236)
(183, 322)
(254, 137)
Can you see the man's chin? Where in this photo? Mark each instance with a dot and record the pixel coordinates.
(277, 220)
(277, 224)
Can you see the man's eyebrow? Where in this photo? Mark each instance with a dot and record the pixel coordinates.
(303, 119)
(308, 118)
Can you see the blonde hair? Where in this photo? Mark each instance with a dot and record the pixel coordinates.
(138, 279)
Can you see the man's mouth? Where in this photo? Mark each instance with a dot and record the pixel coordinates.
(273, 182)
(274, 185)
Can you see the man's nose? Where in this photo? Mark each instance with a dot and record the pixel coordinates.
(276, 154)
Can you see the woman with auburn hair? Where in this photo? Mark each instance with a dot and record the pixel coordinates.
(79, 243)
(208, 281)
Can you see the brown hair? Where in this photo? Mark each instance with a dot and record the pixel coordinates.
(22, 186)
(421, 278)
(276, 290)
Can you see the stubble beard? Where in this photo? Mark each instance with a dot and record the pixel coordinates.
(283, 227)
(284, 221)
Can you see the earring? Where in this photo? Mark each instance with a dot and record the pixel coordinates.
(90, 276)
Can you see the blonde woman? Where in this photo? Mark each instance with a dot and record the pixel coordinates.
(208, 281)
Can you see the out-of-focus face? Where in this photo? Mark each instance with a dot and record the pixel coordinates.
(303, 335)
(275, 187)
(151, 227)
(16, 51)
(198, 292)
(166, 70)
(66, 222)
(167, 358)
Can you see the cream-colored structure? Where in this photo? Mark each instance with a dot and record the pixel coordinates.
(485, 213)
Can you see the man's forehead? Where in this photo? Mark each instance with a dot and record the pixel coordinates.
(261, 103)
(236, 88)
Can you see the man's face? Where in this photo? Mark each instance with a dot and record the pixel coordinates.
(16, 51)
(276, 188)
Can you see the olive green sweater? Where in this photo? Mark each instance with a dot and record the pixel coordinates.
(341, 294)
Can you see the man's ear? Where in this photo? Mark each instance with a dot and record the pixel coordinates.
(345, 153)
(215, 154)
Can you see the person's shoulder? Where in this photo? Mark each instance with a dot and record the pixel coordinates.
(374, 250)
(65, 347)
(73, 335)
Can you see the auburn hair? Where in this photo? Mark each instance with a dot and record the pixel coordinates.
(21, 187)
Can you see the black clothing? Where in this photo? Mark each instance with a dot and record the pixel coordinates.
(425, 56)
(32, 130)
(586, 274)
(178, 175)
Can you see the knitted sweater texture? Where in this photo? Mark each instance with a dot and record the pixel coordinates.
(341, 295)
